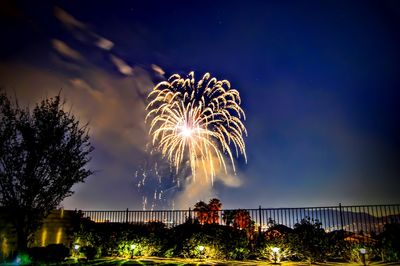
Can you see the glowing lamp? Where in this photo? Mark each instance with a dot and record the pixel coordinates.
(201, 248)
(133, 246)
(76, 246)
(363, 250)
(275, 249)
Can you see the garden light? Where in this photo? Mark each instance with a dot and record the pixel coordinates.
(76, 247)
(133, 246)
(363, 251)
(275, 250)
(201, 248)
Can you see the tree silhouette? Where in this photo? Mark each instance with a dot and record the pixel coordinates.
(214, 207)
(208, 213)
(201, 210)
(43, 153)
(242, 219)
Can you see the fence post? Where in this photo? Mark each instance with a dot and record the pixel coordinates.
(259, 216)
(341, 215)
(190, 215)
(126, 217)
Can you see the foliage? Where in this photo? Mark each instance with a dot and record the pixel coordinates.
(140, 246)
(308, 241)
(43, 153)
(275, 237)
(90, 252)
(201, 211)
(228, 216)
(390, 242)
(242, 219)
(219, 242)
(208, 213)
(50, 253)
(116, 239)
(214, 207)
(338, 247)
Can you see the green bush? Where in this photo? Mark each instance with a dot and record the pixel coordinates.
(50, 253)
(275, 237)
(90, 252)
(390, 243)
(109, 236)
(140, 246)
(37, 254)
(57, 252)
(338, 248)
(308, 241)
(219, 242)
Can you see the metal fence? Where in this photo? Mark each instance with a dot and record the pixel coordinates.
(365, 218)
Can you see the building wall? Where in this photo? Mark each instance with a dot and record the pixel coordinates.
(57, 228)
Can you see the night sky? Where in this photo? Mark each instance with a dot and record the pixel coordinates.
(319, 81)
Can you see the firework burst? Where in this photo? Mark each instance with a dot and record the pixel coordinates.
(197, 122)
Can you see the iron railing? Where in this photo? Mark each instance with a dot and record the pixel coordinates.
(363, 218)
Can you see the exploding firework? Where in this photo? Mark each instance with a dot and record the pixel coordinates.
(197, 122)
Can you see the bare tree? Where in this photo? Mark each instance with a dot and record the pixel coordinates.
(43, 153)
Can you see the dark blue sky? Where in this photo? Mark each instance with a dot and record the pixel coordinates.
(319, 82)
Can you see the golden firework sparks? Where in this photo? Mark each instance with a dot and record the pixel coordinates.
(201, 122)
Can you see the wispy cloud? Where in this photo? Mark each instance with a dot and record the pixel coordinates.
(121, 65)
(158, 70)
(81, 31)
(67, 19)
(103, 43)
(63, 49)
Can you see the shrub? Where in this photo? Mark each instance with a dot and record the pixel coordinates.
(57, 252)
(37, 253)
(338, 247)
(90, 252)
(390, 242)
(308, 240)
(219, 242)
(140, 246)
(275, 237)
(50, 253)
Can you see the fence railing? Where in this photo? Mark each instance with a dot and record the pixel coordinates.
(365, 218)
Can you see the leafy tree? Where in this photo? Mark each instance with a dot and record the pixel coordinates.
(208, 213)
(242, 219)
(214, 206)
(43, 153)
(201, 209)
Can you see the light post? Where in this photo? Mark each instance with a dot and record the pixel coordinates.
(363, 251)
(275, 251)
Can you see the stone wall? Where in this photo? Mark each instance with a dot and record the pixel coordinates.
(56, 229)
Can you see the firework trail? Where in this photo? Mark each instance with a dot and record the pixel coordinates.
(197, 122)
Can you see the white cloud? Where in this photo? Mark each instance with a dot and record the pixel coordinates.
(67, 19)
(123, 67)
(158, 69)
(105, 44)
(63, 49)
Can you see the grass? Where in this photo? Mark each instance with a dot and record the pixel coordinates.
(189, 262)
